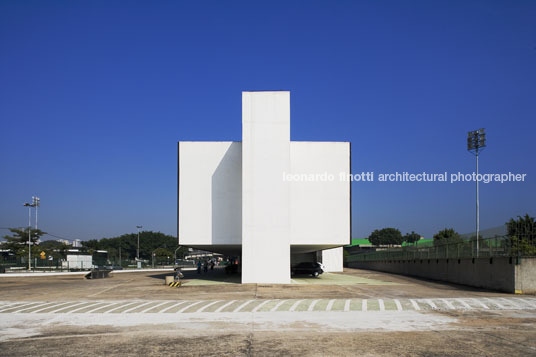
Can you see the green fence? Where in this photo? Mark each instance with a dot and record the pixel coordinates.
(487, 248)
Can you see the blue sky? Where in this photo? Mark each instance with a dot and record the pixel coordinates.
(95, 95)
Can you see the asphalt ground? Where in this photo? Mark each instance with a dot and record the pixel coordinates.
(352, 313)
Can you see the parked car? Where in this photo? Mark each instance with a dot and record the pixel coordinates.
(310, 268)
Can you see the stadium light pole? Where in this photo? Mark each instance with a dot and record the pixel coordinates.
(476, 142)
(138, 252)
(29, 205)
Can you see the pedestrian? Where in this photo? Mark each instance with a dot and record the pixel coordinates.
(199, 267)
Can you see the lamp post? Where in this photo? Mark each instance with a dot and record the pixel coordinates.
(138, 251)
(29, 205)
(476, 142)
(176, 254)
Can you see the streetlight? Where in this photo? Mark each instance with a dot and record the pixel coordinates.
(29, 205)
(138, 252)
(176, 254)
(476, 142)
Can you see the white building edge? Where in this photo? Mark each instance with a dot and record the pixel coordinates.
(243, 199)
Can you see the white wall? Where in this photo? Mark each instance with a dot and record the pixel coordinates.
(333, 259)
(265, 196)
(320, 210)
(210, 193)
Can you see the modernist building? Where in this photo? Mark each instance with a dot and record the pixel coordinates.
(267, 199)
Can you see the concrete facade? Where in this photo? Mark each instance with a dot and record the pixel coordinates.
(255, 198)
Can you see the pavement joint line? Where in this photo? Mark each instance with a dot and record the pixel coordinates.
(243, 305)
(172, 306)
(83, 307)
(398, 305)
(212, 303)
(54, 306)
(347, 305)
(119, 307)
(364, 306)
(496, 303)
(295, 305)
(277, 305)
(431, 303)
(260, 305)
(31, 307)
(219, 309)
(189, 306)
(477, 301)
(382, 305)
(100, 307)
(65, 307)
(312, 306)
(415, 305)
(465, 304)
(136, 307)
(449, 304)
(152, 307)
(110, 288)
(510, 302)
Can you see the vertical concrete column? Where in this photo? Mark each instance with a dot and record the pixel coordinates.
(265, 195)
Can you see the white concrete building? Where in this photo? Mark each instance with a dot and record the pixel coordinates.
(267, 199)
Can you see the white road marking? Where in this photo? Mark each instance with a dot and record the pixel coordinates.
(24, 306)
(219, 309)
(260, 305)
(63, 305)
(398, 305)
(67, 307)
(364, 305)
(208, 305)
(11, 305)
(415, 305)
(84, 307)
(172, 306)
(330, 304)
(312, 306)
(496, 303)
(189, 306)
(449, 304)
(431, 303)
(152, 307)
(110, 288)
(295, 305)
(475, 300)
(31, 307)
(516, 306)
(120, 307)
(347, 305)
(98, 308)
(278, 304)
(136, 307)
(382, 306)
(243, 305)
(531, 302)
(462, 301)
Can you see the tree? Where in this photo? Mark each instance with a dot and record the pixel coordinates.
(386, 236)
(412, 237)
(149, 242)
(522, 235)
(447, 236)
(18, 241)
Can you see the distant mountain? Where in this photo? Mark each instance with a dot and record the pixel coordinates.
(487, 233)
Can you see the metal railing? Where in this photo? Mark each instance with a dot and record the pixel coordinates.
(488, 247)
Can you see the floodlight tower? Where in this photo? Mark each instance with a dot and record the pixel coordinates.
(29, 205)
(476, 142)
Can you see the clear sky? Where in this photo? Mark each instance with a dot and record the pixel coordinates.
(94, 96)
